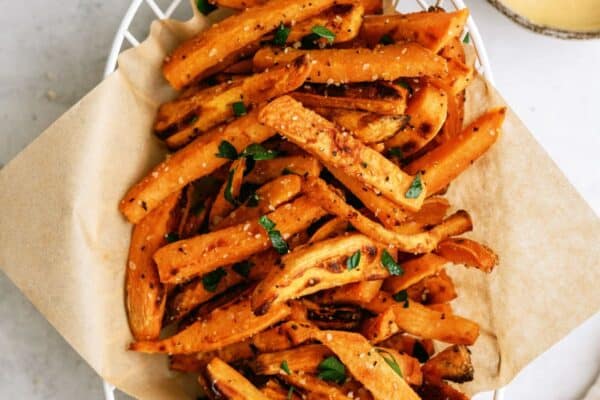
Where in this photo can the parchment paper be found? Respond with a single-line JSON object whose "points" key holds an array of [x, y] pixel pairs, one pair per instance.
{"points": [[64, 244]]}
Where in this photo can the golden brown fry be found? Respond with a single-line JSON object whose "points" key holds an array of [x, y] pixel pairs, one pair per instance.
{"points": [[270, 196], [456, 224], [410, 366], [424, 322], [468, 252], [183, 260], [436, 289], [453, 363], [343, 20], [197, 362], [444, 163], [273, 339], [340, 150], [359, 65], [211, 333], [427, 111], [353, 293], [301, 165], [144, 294], [370, 6], [415, 270], [275, 391], [328, 316], [230, 383], [454, 50], [432, 30], [331, 228], [212, 45], [180, 121], [304, 358], [420, 349], [378, 97], [319, 266], [190, 163], [314, 388], [380, 327], [245, 67], [459, 76], [431, 213], [367, 127], [226, 200]]}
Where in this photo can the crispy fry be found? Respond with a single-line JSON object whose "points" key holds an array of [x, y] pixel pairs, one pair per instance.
{"points": [[360, 65], [456, 224], [415, 270], [370, 6], [304, 358], [343, 20], [302, 165], [380, 327], [432, 30], [338, 317], [444, 163], [211, 333], [320, 266], [179, 121], [144, 294], [420, 349], [439, 390], [315, 388], [427, 111], [459, 76], [468, 252], [436, 289], [270, 196], [190, 163], [212, 45], [273, 339], [431, 213], [183, 260], [340, 150], [379, 97], [226, 200], [453, 363], [331, 228], [230, 383], [245, 66], [410, 366], [353, 293], [419, 320], [368, 127], [454, 50], [275, 391], [194, 211], [197, 362]]}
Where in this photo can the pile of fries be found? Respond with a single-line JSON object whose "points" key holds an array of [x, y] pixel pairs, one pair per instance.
{"points": [[294, 244]]}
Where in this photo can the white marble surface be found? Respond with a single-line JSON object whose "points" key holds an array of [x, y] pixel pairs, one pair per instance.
{"points": [[53, 52]]}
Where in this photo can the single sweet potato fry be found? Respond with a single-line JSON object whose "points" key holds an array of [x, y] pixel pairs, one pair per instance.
{"points": [[468, 252], [267, 170], [230, 383], [453, 363], [343, 20], [415, 270], [380, 327], [304, 358], [353, 293]]}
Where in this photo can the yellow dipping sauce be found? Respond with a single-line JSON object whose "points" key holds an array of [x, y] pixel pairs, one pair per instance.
{"points": [[571, 15]]}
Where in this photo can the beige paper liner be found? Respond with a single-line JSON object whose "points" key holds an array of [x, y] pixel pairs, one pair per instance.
{"points": [[64, 243]]}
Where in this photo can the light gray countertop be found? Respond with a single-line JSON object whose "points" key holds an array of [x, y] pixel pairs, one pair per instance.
{"points": [[53, 52]]}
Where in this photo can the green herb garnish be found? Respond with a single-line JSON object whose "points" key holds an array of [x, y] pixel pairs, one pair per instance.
{"points": [[331, 369], [396, 152], [211, 280], [391, 361], [290, 393], [386, 39], [253, 200], [243, 268], [281, 34], [467, 38], [172, 237], [205, 7], [416, 187], [285, 367], [353, 260], [388, 262], [276, 239], [239, 108], [227, 193], [227, 150], [323, 32], [401, 296], [258, 152]]}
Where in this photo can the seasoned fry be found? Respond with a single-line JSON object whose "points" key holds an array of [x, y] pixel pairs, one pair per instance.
{"points": [[275, 391], [353, 293], [301, 165], [446, 162], [370, 6], [317, 267], [190, 163], [340, 150], [468, 252], [410, 366], [212, 45], [368, 127], [360, 65], [380, 327], [195, 209], [403, 343], [459, 76], [180, 121], [436, 289], [211, 333], [231, 384], [304, 358], [453, 363], [270, 196], [415, 270], [456, 224], [197, 362], [226, 200], [331, 228], [427, 111], [432, 30], [343, 20], [183, 260], [315, 388], [144, 294], [338, 317]]}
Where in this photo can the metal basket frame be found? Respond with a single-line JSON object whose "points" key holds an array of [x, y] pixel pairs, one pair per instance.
{"points": [[124, 36]]}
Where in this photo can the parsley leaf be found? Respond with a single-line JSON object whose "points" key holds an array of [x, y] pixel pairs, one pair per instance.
{"points": [[285, 367], [391, 361], [243, 268], [467, 38], [353, 261], [171, 237], [211, 280], [227, 150], [205, 7], [323, 32], [281, 35], [239, 108], [258, 152], [415, 189], [227, 193], [386, 39], [401, 296], [331, 369], [277, 240], [388, 262], [397, 153], [266, 223]]}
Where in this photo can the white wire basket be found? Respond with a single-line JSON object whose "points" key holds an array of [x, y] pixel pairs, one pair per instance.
{"points": [[137, 14]]}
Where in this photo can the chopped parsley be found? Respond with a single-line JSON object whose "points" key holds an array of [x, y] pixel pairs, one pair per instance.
{"points": [[331, 369], [172, 237], [239, 108], [277, 240], [285, 367], [227, 193], [258, 152], [467, 38], [388, 262], [401, 296], [323, 32], [391, 361], [205, 7], [243, 268], [353, 260], [281, 34], [386, 39], [396, 152], [211, 280], [227, 150], [415, 189]]}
